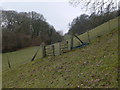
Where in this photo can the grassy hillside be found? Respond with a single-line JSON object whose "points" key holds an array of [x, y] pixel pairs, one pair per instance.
{"points": [[91, 66], [24, 56], [19, 57], [98, 31]]}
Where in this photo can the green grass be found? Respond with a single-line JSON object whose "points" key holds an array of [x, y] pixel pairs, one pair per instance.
{"points": [[19, 57], [92, 66], [98, 31], [23, 56]]}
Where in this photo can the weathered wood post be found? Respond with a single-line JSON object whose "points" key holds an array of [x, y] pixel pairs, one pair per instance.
{"points": [[88, 36], [71, 45], [58, 48], [33, 58], [53, 48], [67, 45], [9, 64], [43, 51]]}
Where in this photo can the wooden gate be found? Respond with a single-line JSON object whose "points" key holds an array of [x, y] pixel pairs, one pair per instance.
{"points": [[63, 47], [50, 51]]}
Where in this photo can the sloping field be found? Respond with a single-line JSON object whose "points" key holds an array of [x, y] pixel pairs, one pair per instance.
{"points": [[19, 57], [23, 56], [98, 31], [92, 66]]}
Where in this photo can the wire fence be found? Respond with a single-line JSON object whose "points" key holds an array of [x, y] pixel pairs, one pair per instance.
{"points": [[65, 46], [61, 47]]}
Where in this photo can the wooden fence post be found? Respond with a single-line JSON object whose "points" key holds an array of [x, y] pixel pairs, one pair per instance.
{"points": [[71, 45], [9, 62], [43, 51], [59, 49], [33, 58], [67, 45], [88, 36], [53, 47]]}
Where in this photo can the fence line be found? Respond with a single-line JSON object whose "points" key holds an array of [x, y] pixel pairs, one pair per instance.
{"points": [[50, 49], [88, 36]]}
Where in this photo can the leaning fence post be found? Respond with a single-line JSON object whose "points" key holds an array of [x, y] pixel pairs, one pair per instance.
{"points": [[35, 54], [43, 51], [9, 62]]}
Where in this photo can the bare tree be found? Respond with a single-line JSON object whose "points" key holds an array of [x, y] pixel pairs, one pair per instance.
{"points": [[97, 6]]}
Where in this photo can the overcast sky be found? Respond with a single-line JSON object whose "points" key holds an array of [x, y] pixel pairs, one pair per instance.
{"points": [[58, 13]]}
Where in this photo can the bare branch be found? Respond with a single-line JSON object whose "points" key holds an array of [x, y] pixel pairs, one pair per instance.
{"points": [[95, 5]]}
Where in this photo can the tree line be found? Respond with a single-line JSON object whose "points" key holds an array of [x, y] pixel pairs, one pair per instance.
{"points": [[85, 22], [100, 11], [25, 29]]}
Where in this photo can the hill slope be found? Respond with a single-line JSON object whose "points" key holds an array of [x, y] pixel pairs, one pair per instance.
{"points": [[25, 55], [19, 57], [91, 66]]}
